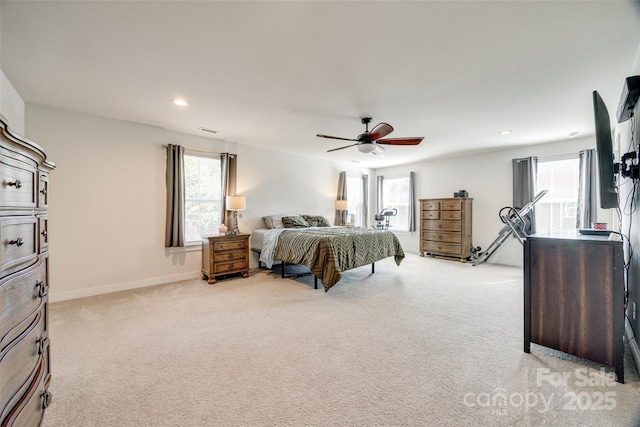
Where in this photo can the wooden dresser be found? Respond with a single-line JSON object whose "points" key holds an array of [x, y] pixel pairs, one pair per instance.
{"points": [[24, 280], [445, 227], [222, 255], [574, 296]]}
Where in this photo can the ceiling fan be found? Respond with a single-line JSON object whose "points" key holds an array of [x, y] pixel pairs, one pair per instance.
{"points": [[371, 141]]}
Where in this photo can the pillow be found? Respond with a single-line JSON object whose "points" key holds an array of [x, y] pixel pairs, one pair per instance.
{"points": [[273, 221], [316, 220], [294, 221]]}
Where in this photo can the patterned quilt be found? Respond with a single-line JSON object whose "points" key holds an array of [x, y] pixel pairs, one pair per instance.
{"points": [[330, 251]]}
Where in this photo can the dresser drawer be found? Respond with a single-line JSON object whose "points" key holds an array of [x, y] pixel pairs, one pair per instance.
{"points": [[17, 243], [451, 205], [441, 248], [452, 215], [43, 190], [431, 214], [430, 205], [27, 408], [229, 245], [442, 225], [20, 359], [43, 233], [21, 296], [442, 237], [224, 267], [229, 256], [18, 183]]}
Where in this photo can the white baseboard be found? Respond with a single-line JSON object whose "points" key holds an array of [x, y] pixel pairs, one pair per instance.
{"points": [[117, 287], [633, 343]]}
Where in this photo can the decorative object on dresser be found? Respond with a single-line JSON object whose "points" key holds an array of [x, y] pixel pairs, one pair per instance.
{"points": [[24, 280], [445, 227], [223, 255]]}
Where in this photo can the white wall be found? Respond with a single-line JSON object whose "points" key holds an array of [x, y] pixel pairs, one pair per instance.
{"points": [[11, 105], [487, 178], [107, 206]]}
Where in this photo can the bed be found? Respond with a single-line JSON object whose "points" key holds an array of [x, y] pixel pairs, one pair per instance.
{"points": [[326, 251]]}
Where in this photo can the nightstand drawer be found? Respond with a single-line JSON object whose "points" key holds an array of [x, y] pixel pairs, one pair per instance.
{"points": [[228, 256], [229, 245], [224, 267]]}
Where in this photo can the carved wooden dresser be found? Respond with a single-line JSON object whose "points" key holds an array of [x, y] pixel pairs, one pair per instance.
{"points": [[24, 280], [445, 227]]}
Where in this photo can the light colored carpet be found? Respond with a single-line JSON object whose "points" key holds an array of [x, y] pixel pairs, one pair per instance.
{"points": [[432, 342]]}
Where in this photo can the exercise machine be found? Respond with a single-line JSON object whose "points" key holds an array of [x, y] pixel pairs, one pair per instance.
{"points": [[515, 225]]}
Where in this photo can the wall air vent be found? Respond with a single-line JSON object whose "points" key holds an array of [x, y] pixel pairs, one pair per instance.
{"points": [[208, 130]]}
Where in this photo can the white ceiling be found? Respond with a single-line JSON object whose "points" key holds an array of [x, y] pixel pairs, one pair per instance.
{"points": [[274, 74]]}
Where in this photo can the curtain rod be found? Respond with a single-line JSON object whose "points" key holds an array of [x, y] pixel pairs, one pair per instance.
{"points": [[199, 151]]}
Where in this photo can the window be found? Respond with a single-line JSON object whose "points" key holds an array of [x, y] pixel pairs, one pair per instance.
{"points": [[558, 208], [395, 195], [355, 199], [203, 196]]}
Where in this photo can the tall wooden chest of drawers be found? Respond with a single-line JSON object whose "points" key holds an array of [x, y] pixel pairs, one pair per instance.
{"points": [[445, 227], [222, 255], [24, 280]]}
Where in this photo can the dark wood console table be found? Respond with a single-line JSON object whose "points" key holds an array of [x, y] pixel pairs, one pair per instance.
{"points": [[574, 296]]}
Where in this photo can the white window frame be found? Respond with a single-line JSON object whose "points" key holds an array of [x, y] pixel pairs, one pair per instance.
{"points": [[212, 156], [548, 198], [398, 222]]}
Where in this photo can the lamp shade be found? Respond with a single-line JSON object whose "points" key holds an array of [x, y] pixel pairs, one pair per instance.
{"points": [[341, 205], [236, 203], [367, 148]]}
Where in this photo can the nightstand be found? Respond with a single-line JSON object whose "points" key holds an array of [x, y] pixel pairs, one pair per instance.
{"points": [[222, 255]]}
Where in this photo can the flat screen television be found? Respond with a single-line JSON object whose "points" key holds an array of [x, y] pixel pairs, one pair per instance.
{"points": [[604, 150]]}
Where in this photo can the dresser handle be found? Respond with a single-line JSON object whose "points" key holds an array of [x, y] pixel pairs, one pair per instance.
{"points": [[17, 242], [41, 289], [41, 342], [15, 183], [43, 191], [46, 398], [43, 233]]}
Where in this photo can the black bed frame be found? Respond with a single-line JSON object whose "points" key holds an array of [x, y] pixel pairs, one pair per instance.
{"points": [[284, 264]]}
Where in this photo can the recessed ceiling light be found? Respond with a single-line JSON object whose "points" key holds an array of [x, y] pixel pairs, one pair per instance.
{"points": [[574, 134], [504, 132], [180, 102]]}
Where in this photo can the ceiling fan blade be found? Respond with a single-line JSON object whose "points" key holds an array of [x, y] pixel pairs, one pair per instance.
{"points": [[401, 141], [336, 137], [340, 148], [380, 131]]}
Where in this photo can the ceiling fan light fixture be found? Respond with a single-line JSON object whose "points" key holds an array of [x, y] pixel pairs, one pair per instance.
{"points": [[367, 147]]}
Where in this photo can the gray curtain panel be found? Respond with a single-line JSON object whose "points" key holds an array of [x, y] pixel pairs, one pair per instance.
{"points": [[380, 193], [365, 201], [587, 208], [341, 216], [228, 166], [174, 229], [412, 201], [524, 187]]}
